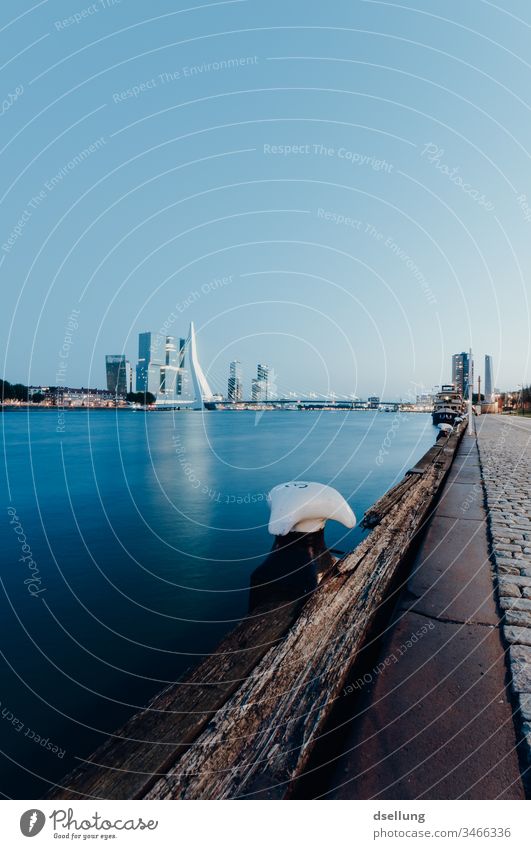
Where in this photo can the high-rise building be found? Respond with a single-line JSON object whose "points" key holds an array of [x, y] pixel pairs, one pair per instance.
{"points": [[489, 391], [235, 383], [117, 374], [462, 372], [161, 368], [148, 370], [261, 386], [169, 371], [181, 363]]}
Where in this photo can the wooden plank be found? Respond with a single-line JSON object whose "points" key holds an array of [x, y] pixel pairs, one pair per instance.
{"points": [[128, 763], [261, 741], [374, 515]]}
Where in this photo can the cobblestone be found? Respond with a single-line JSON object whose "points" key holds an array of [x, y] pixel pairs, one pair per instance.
{"points": [[515, 634], [514, 549], [520, 668], [526, 733], [509, 590], [508, 570], [505, 453], [519, 580], [518, 617], [524, 703], [515, 603]]}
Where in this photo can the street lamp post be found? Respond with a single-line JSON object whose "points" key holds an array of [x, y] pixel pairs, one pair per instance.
{"points": [[470, 388]]}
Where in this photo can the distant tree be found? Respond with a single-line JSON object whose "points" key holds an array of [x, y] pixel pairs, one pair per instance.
{"points": [[140, 398], [37, 397], [20, 392], [6, 390], [9, 391]]}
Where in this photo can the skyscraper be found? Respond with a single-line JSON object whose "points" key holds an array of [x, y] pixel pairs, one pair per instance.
{"points": [[116, 371], [181, 363], [148, 374], [235, 383], [489, 393], [462, 372], [170, 370], [261, 385]]}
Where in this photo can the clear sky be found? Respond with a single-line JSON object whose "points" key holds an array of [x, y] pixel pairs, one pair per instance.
{"points": [[341, 190]]}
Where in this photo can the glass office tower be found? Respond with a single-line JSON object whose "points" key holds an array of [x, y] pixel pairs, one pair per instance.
{"points": [[150, 360], [235, 383], [116, 372]]}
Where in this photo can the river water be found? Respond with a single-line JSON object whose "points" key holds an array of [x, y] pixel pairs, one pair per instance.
{"points": [[145, 529]]}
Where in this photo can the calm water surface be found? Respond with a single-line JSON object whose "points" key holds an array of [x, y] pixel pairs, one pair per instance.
{"points": [[145, 529]]}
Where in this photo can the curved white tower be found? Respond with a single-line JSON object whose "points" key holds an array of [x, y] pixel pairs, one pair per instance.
{"points": [[202, 390]]}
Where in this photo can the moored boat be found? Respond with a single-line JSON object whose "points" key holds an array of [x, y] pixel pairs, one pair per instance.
{"points": [[448, 406]]}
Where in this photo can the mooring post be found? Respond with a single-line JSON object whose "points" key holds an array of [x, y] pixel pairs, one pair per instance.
{"points": [[299, 512]]}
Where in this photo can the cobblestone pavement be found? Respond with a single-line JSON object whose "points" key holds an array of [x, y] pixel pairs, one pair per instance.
{"points": [[505, 452]]}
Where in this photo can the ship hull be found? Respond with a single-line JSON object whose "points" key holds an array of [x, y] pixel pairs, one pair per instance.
{"points": [[444, 416]]}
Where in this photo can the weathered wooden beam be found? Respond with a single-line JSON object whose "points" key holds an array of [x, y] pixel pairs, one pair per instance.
{"points": [[259, 744], [127, 764], [374, 515]]}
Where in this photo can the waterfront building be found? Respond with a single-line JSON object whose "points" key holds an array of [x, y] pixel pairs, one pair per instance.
{"points": [[72, 396], [262, 386], [117, 374], [373, 402], [462, 372], [489, 394], [425, 401], [235, 382], [262, 372], [181, 364], [171, 371], [148, 370]]}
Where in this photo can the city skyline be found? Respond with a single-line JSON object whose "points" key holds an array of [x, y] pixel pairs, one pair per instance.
{"points": [[302, 223], [161, 370]]}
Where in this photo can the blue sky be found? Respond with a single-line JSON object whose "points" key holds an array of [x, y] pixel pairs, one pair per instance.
{"points": [[340, 190]]}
